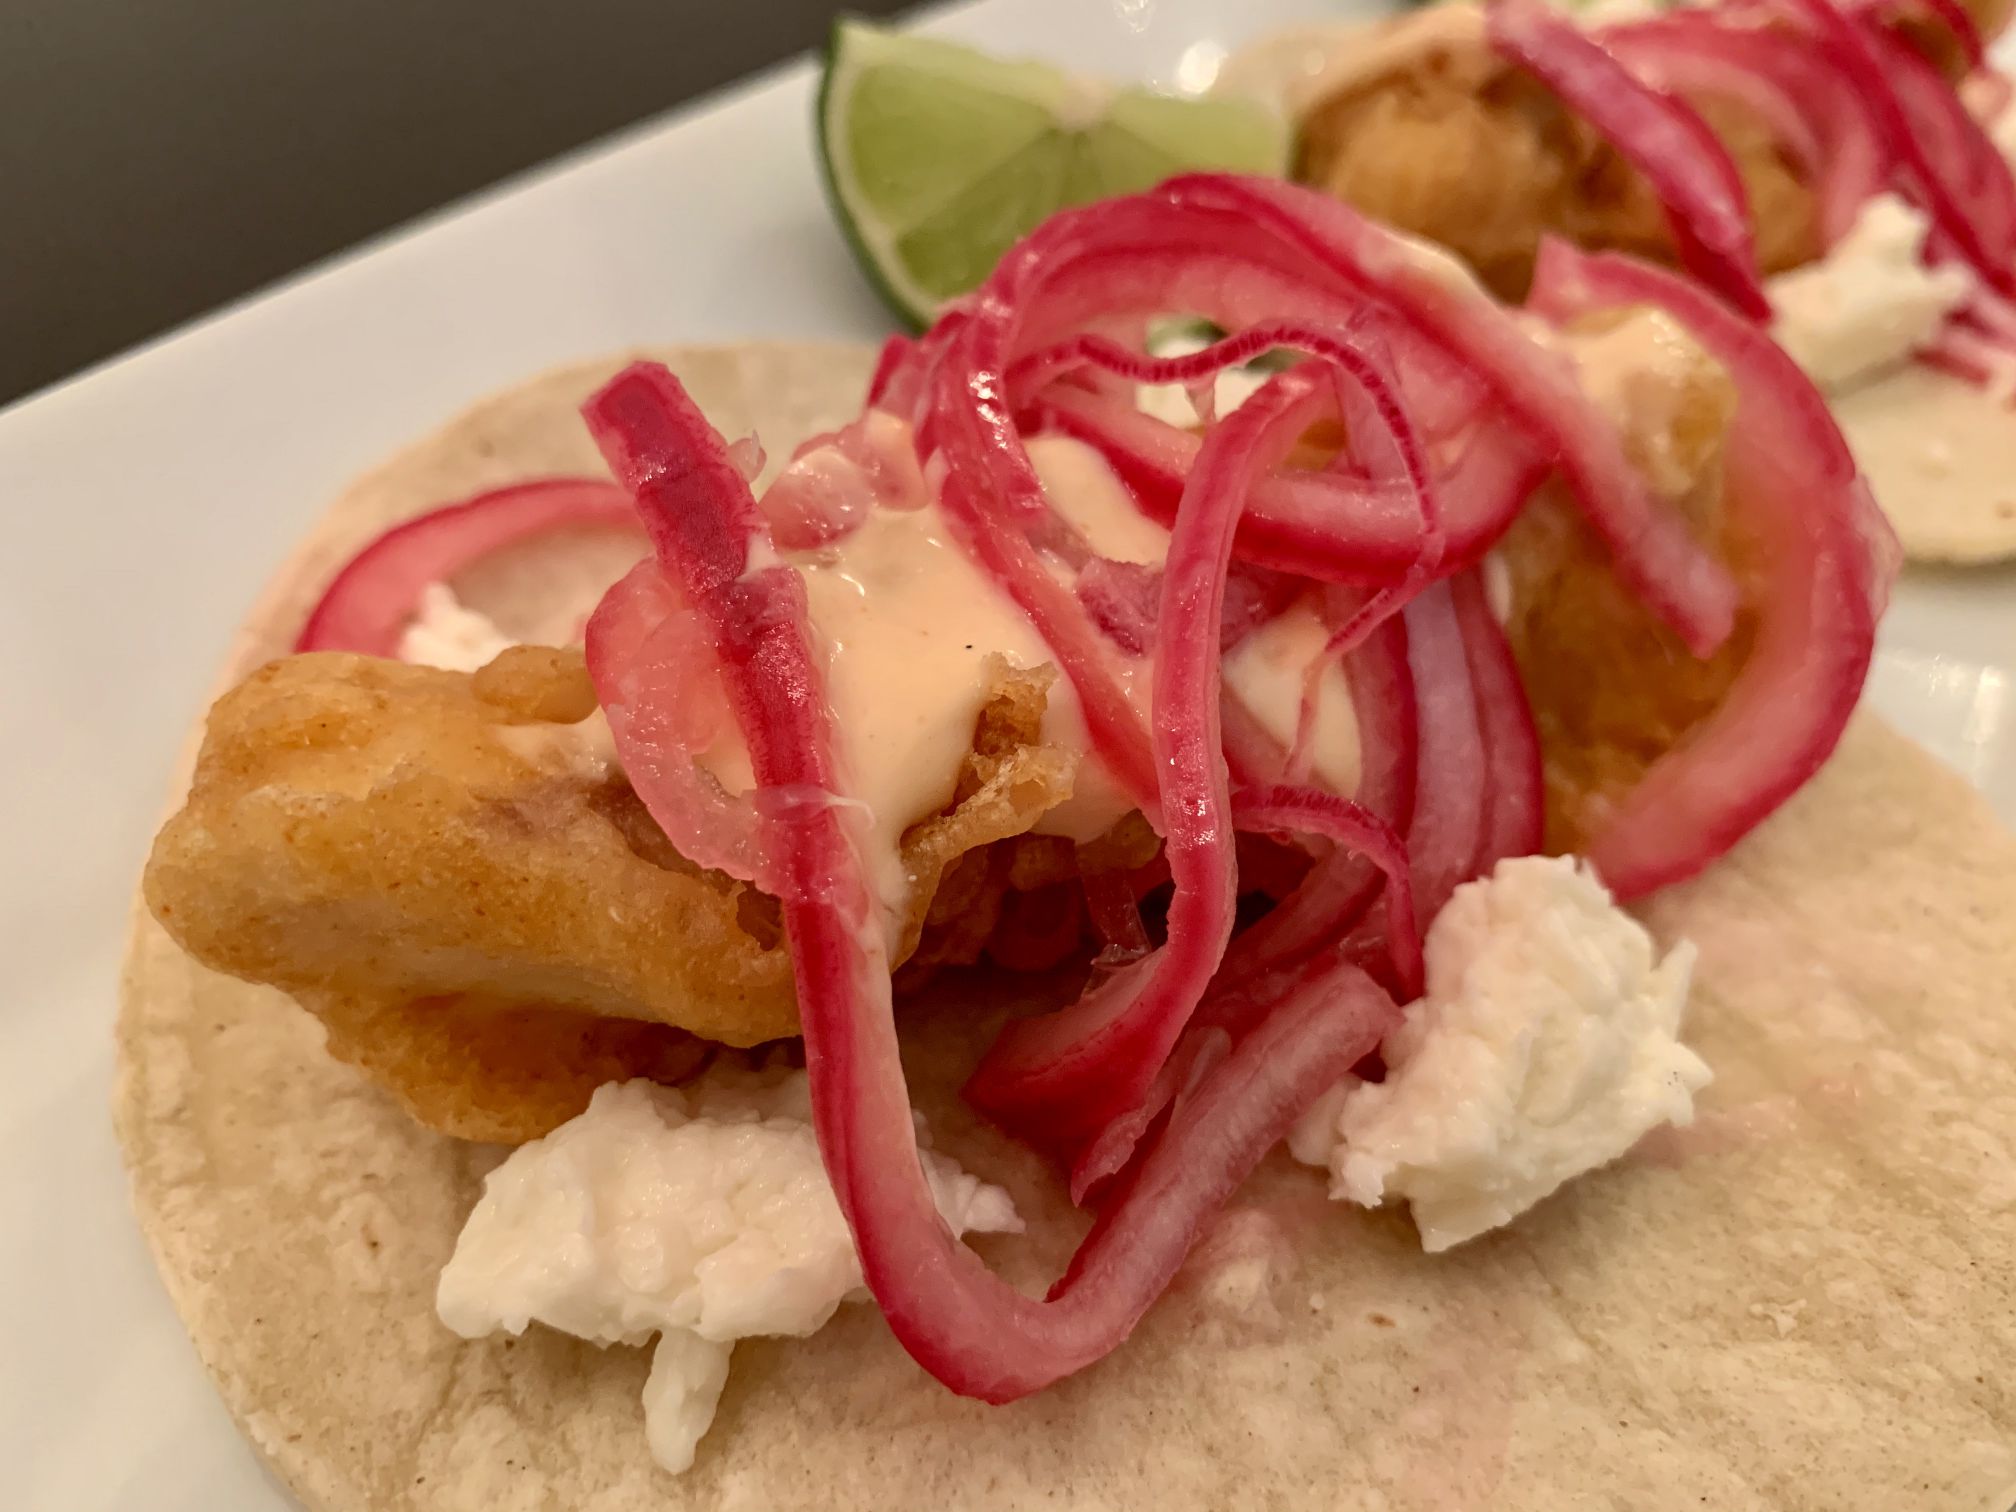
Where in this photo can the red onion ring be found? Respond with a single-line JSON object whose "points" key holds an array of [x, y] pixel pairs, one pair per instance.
{"points": [[1064, 1076], [368, 605], [1652, 551], [1873, 64], [1514, 802], [1827, 555], [977, 1334], [1661, 136]]}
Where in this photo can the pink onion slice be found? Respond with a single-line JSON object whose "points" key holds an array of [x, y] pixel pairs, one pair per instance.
{"points": [[978, 1335], [1351, 829], [1654, 555], [1818, 116], [369, 604], [1514, 804], [1340, 886], [1873, 63], [1060, 1078], [1324, 525], [656, 676], [1451, 782], [1957, 20], [1957, 146], [1661, 136], [833, 481], [1826, 556], [969, 439]]}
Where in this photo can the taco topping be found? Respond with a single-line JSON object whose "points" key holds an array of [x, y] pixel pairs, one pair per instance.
{"points": [[1871, 303], [1070, 1080], [701, 1216], [1545, 1046]]}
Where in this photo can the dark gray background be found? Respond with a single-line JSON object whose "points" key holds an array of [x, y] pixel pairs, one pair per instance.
{"points": [[160, 157]]}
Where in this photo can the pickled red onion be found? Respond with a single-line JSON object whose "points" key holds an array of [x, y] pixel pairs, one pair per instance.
{"points": [[1184, 1063], [368, 605], [1664, 138], [1325, 525], [1885, 75], [1650, 548], [1062, 1077], [1827, 557], [980, 1336], [656, 675]]}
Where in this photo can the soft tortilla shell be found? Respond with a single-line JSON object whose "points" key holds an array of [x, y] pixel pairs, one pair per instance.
{"points": [[1806, 1302], [1938, 453]]}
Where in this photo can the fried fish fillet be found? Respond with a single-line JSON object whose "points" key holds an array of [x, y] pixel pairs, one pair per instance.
{"points": [[1453, 143], [452, 873]]}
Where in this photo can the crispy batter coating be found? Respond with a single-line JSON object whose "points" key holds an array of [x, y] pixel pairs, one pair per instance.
{"points": [[450, 871], [1610, 686], [1456, 145]]}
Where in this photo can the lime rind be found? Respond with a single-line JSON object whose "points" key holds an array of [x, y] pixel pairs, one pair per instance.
{"points": [[937, 158]]}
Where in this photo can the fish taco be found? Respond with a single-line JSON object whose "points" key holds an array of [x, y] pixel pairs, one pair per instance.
{"points": [[1020, 918]]}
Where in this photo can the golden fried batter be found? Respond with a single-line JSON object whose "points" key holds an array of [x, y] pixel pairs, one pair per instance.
{"points": [[450, 872], [1610, 686], [1451, 142]]}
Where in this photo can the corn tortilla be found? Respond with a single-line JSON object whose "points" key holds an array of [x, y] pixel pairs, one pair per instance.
{"points": [[1807, 1301]]}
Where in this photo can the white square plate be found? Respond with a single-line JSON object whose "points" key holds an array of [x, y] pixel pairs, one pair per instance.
{"points": [[146, 501]]}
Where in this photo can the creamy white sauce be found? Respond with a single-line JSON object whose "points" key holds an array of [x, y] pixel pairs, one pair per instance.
{"points": [[1267, 672], [1083, 489], [1641, 372], [909, 623], [447, 634], [585, 749], [1087, 493]]}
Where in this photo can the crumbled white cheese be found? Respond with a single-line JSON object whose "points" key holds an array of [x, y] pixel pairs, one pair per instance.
{"points": [[701, 1214], [449, 635], [1546, 1046], [1171, 402], [1868, 304]]}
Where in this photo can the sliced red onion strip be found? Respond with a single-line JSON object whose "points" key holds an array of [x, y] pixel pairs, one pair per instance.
{"points": [[1514, 807], [1653, 553], [1062, 1077], [1338, 889], [657, 678], [1325, 525], [369, 604], [835, 480], [1661, 136], [1870, 62], [1957, 145], [1453, 778], [1816, 112], [959, 437], [978, 1335], [1828, 557], [1351, 827], [1951, 14]]}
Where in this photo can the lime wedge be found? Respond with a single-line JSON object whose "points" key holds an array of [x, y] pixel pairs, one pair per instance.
{"points": [[938, 158]]}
